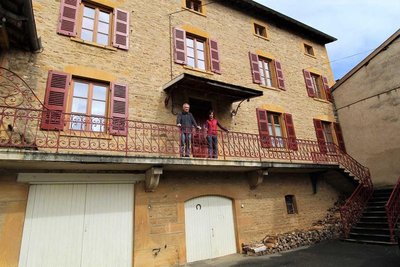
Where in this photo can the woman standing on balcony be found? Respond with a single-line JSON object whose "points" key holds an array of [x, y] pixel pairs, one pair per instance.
{"points": [[212, 134]]}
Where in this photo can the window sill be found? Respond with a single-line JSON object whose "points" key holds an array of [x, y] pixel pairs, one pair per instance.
{"points": [[321, 100], [198, 70], [78, 40], [270, 88], [309, 55], [86, 134], [193, 11], [262, 37]]}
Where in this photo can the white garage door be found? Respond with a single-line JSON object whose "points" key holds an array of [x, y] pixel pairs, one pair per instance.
{"points": [[209, 228], [78, 225]]}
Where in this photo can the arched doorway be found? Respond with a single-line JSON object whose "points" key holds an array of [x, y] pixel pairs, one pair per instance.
{"points": [[209, 228]]}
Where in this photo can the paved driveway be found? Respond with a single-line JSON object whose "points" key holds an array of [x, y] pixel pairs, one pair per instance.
{"points": [[327, 254]]}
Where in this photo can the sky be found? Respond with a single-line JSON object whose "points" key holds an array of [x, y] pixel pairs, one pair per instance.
{"points": [[359, 25]]}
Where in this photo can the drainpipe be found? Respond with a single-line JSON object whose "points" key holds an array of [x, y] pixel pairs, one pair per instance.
{"points": [[34, 41]]}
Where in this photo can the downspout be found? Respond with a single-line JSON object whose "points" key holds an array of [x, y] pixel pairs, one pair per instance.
{"points": [[34, 41]]}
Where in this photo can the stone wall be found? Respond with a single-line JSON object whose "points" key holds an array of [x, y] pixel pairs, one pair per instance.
{"points": [[160, 219]]}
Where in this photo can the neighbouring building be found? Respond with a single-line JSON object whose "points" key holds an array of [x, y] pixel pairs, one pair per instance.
{"points": [[367, 101], [91, 173]]}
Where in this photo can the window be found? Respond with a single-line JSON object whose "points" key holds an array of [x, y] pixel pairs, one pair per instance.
{"points": [[329, 134], [196, 52], [260, 30], [266, 71], [309, 50], [194, 5], [94, 24], [317, 86], [88, 106], [276, 130], [265, 66], [93, 106], [291, 204]]}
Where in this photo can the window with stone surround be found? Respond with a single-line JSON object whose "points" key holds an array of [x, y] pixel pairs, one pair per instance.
{"points": [[291, 206], [308, 49], [196, 52], [79, 104], [266, 71], [260, 30], [329, 135], [92, 23], [195, 5], [317, 86], [276, 130]]}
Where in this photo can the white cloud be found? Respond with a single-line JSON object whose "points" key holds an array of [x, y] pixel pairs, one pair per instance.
{"points": [[359, 25]]}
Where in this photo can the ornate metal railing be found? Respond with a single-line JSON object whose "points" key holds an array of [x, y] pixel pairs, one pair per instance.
{"points": [[21, 113], [393, 210]]}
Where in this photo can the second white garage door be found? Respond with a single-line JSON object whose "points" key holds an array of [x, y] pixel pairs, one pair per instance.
{"points": [[78, 225], [209, 228]]}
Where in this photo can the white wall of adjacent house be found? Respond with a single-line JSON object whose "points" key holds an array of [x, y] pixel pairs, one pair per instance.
{"points": [[78, 225], [209, 227]]}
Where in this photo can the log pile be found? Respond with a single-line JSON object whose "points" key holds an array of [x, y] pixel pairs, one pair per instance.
{"points": [[326, 229]]}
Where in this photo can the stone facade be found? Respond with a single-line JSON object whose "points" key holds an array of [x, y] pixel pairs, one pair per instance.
{"points": [[159, 216], [146, 67]]}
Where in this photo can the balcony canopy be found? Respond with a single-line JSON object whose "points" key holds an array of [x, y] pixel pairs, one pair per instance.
{"points": [[210, 88]]}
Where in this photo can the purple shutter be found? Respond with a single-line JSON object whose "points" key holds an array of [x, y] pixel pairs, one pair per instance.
{"points": [[67, 17], [179, 46], [55, 101], [119, 109], [262, 119], [319, 131], [327, 89], [121, 29], [214, 56], [291, 135], [279, 75], [255, 70], [339, 136], [309, 86]]}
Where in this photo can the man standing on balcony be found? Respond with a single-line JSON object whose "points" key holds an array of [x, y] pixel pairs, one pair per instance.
{"points": [[186, 121]]}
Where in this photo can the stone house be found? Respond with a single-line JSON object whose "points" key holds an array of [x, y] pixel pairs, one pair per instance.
{"points": [[91, 173], [367, 100]]}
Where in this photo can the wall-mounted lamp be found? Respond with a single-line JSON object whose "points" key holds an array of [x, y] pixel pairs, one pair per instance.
{"points": [[235, 111]]}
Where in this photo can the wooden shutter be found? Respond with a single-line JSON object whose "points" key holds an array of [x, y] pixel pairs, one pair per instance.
{"points": [[214, 57], [327, 89], [67, 17], [119, 109], [279, 75], [339, 136], [262, 119], [291, 135], [121, 29], [309, 86], [255, 70], [319, 131], [55, 100], [179, 46]]}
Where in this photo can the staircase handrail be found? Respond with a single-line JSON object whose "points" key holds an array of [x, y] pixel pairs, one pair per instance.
{"points": [[352, 210], [392, 208]]}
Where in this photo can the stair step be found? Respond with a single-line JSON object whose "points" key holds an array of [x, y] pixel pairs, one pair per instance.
{"points": [[370, 230], [379, 225], [374, 208], [372, 213], [373, 219], [372, 237], [369, 242]]}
